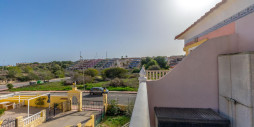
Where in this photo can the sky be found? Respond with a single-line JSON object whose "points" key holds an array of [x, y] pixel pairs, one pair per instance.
{"points": [[57, 30]]}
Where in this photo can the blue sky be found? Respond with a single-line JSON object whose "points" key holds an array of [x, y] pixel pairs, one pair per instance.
{"points": [[48, 30]]}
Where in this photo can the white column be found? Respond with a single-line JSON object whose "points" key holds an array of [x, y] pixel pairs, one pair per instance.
{"points": [[142, 75]]}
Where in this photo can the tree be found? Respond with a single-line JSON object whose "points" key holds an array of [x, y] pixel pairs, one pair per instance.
{"points": [[145, 60], [45, 75], [14, 72], [91, 72], [161, 61], [114, 73], [154, 67], [59, 74], [55, 68], [151, 63], [9, 86], [28, 69]]}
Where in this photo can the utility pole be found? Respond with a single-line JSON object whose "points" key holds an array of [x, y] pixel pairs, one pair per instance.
{"points": [[81, 59]]}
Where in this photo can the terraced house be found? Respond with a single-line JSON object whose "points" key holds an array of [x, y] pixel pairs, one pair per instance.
{"points": [[213, 84]]}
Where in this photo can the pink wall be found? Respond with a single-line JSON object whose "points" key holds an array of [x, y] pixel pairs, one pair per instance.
{"points": [[245, 31], [225, 30], [194, 81]]}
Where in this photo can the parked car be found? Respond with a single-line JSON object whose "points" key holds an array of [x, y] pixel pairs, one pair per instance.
{"points": [[32, 82], [98, 90]]}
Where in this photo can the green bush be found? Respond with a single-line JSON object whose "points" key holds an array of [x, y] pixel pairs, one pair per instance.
{"points": [[150, 63], [135, 70], [9, 86], [2, 111], [91, 72], [113, 109], [114, 73], [68, 82], [40, 101], [154, 67], [116, 83]]}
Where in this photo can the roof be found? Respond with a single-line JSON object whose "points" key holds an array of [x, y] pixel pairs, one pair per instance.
{"points": [[201, 18], [200, 115]]}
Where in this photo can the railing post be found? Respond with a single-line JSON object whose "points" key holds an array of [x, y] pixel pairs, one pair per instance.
{"points": [[19, 121], [140, 114], [142, 75]]}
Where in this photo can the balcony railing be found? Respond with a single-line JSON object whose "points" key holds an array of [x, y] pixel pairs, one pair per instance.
{"points": [[140, 114], [32, 118], [155, 74]]}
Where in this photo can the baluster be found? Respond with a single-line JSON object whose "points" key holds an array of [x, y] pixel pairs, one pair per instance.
{"points": [[150, 75]]}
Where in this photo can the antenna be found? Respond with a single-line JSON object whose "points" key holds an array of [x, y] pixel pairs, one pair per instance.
{"points": [[106, 55], [81, 58]]}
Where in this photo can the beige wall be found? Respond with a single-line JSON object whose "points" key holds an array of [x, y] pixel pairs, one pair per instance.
{"points": [[193, 82]]}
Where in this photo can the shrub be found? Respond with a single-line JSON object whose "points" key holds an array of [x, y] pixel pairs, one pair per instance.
{"points": [[40, 101], [116, 83], [2, 111], [135, 75], [113, 109], [98, 78], [114, 73], [59, 74], [9, 86], [154, 67], [150, 63], [68, 82], [91, 72], [135, 70], [129, 108]]}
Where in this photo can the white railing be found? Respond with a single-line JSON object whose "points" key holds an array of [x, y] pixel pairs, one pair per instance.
{"points": [[32, 118], [7, 95], [155, 74], [126, 125], [140, 114]]}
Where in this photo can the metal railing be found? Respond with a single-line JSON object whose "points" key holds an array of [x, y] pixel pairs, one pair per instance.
{"points": [[155, 74], [32, 118], [92, 105]]}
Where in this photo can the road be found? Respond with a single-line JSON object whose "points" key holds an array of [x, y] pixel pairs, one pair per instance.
{"points": [[123, 98], [21, 84]]}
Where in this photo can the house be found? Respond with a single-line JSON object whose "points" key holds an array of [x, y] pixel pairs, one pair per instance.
{"points": [[216, 73]]}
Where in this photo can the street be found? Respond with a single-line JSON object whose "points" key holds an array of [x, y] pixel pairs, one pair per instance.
{"points": [[123, 98]]}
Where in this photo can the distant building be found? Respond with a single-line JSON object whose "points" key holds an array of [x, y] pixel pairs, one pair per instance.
{"points": [[174, 60]]}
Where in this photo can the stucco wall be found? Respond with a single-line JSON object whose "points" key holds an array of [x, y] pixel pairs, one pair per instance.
{"points": [[227, 9], [194, 81], [245, 30]]}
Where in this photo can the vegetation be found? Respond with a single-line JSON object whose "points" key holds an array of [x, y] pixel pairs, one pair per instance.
{"points": [[2, 111], [36, 71], [40, 101], [112, 73], [160, 61], [131, 85], [9, 86], [117, 115], [114, 121], [91, 72], [154, 67]]}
